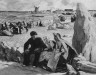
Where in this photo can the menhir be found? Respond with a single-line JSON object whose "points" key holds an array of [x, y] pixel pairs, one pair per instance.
{"points": [[84, 37]]}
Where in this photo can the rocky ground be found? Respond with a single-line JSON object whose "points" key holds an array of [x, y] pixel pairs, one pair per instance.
{"points": [[10, 68], [42, 31]]}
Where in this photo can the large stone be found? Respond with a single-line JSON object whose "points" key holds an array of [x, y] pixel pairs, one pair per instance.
{"points": [[84, 37]]}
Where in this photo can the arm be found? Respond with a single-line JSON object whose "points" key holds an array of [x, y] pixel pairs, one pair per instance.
{"points": [[40, 44], [26, 45]]}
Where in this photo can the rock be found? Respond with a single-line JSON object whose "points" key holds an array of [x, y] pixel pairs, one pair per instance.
{"points": [[45, 55], [19, 48], [71, 70], [5, 33], [85, 73], [86, 66], [60, 26], [84, 37], [52, 27], [53, 61], [80, 63]]}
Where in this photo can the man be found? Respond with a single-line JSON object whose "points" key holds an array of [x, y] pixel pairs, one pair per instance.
{"points": [[36, 46], [40, 24], [19, 24]]}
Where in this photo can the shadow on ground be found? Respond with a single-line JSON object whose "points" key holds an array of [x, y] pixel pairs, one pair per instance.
{"points": [[11, 68]]}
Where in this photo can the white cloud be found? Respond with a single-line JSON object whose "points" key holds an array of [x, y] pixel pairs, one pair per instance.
{"points": [[3, 5], [90, 4], [44, 4]]}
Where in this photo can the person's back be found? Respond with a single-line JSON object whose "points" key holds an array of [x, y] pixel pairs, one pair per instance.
{"points": [[39, 43], [31, 43]]}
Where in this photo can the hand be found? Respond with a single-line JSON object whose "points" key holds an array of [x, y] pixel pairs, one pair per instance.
{"points": [[26, 51], [45, 49], [37, 49]]}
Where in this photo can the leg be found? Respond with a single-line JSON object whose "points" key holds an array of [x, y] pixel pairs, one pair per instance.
{"points": [[32, 57], [36, 61], [26, 59]]}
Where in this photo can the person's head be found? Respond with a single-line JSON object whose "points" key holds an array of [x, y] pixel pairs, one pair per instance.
{"points": [[57, 36], [33, 34]]}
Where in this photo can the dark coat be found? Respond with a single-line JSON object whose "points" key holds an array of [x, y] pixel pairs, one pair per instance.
{"points": [[35, 43]]}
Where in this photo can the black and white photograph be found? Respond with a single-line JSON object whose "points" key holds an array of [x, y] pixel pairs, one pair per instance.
{"points": [[47, 37]]}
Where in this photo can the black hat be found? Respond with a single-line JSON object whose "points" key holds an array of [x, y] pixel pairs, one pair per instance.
{"points": [[32, 33]]}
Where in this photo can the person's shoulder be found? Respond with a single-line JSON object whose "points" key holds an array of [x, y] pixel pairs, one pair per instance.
{"points": [[38, 38], [30, 39]]}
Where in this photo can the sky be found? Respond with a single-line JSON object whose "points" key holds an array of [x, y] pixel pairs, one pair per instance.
{"points": [[28, 5]]}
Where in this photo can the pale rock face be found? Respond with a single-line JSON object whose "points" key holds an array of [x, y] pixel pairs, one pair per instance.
{"points": [[84, 38], [20, 49]]}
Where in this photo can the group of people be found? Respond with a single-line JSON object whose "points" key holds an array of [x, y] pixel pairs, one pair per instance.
{"points": [[51, 55], [18, 27], [14, 27], [35, 48]]}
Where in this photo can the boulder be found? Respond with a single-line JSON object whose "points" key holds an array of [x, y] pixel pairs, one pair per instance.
{"points": [[52, 27], [5, 33], [84, 37], [71, 70], [79, 63]]}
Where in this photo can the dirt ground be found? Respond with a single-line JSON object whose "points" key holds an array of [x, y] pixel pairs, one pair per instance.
{"points": [[12, 68], [16, 69], [42, 31]]}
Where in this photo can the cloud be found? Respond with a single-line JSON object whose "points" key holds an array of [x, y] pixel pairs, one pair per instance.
{"points": [[89, 4], [3, 5], [24, 5], [65, 2]]}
